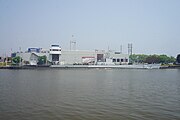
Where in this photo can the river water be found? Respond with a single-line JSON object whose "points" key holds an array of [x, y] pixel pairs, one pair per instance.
{"points": [[90, 94]]}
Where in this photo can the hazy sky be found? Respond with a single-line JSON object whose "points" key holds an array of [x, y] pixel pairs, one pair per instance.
{"points": [[152, 26]]}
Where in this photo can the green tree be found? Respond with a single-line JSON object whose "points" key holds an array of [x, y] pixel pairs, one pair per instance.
{"points": [[139, 58], [133, 58], [142, 58], [152, 59], [172, 59], [42, 60], [163, 58], [16, 60]]}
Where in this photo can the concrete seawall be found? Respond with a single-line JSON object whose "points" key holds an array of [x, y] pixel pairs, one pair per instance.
{"points": [[140, 66]]}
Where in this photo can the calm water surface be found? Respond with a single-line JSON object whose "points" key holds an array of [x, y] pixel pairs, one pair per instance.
{"points": [[90, 94]]}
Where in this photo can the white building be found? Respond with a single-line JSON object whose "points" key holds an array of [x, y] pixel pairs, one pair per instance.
{"points": [[54, 54], [73, 57]]}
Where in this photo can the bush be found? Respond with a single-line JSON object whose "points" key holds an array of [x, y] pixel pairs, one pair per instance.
{"points": [[16, 60], [42, 60]]}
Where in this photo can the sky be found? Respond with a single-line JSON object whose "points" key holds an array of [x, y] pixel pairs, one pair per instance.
{"points": [[152, 26]]}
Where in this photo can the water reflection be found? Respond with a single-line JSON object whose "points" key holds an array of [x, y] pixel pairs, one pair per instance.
{"points": [[90, 94]]}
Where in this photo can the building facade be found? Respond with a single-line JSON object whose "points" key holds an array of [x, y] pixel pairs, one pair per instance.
{"points": [[56, 56]]}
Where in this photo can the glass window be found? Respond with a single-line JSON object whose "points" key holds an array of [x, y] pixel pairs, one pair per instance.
{"points": [[114, 60], [118, 60], [54, 45]]}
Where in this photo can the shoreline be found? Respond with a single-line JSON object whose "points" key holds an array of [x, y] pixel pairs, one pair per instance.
{"points": [[138, 66], [141, 66]]}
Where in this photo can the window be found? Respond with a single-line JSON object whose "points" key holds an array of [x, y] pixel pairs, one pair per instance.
{"points": [[55, 49], [114, 60], [54, 45], [122, 60], [118, 60], [55, 57], [100, 57]]}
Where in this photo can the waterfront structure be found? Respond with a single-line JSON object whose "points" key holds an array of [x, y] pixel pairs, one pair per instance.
{"points": [[57, 56], [54, 54]]}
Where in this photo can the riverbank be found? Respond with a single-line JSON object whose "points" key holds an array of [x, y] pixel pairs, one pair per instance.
{"points": [[135, 66], [170, 67], [25, 67], [138, 66]]}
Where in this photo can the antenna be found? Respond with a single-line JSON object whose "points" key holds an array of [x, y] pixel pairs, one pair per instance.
{"points": [[70, 45], [120, 49]]}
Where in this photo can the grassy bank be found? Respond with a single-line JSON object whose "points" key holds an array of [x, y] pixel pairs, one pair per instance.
{"points": [[2, 64]]}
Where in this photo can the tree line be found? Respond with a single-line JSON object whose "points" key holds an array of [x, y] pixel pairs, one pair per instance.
{"points": [[150, 59]]}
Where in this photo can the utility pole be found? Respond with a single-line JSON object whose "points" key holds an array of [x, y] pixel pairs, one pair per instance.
{"points": [[129, 48], [73, 42]]}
